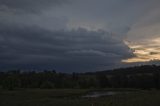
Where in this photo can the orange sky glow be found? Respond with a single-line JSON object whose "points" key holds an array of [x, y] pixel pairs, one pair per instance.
{"points": [[144, 51]]}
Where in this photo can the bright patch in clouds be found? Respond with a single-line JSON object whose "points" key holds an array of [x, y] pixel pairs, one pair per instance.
{"points": [[144, 51]]}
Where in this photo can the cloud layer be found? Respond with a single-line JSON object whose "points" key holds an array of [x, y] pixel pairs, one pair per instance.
{"points": [[76, 35], [28, 5], [75, 50]]}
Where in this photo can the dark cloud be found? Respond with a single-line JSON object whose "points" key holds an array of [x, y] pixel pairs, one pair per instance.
{"points": [[74, 50], [28, 5], [46, 34]]}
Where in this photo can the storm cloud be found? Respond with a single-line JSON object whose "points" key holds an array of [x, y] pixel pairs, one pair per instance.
{"points": [[71, 50], [76, 35]]}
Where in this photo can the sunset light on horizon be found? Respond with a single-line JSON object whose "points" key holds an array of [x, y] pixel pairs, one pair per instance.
{"points": [[144, 51]]}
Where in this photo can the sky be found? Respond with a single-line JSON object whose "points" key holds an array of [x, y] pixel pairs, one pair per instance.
{"points": [[78, 35]]}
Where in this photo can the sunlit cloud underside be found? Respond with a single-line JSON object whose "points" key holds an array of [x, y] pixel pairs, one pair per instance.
{"points": [[144, 51]]}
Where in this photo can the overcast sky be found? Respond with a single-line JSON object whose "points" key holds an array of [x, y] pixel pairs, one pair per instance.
{"points": [[78, 35]]}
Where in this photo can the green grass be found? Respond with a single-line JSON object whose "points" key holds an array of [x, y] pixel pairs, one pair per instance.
{"points": [[72, 97]]}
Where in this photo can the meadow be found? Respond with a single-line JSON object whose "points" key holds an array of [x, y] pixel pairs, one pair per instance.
{"points": [[74, 97]]}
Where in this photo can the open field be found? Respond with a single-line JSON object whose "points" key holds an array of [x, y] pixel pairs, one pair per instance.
{"points": [[70, 97]]}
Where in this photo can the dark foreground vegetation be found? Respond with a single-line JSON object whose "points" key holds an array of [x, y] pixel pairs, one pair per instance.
{"points": [[144, 77], [73, 97], [49, 88]]}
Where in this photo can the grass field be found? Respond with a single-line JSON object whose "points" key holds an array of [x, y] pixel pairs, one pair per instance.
{"points": [[70, 97]]}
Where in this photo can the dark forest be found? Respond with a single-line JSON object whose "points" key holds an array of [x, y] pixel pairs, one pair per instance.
{"points": [[143, 77]]}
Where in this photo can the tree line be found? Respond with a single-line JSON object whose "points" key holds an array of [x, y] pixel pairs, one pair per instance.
{"points": [[144, 77]]}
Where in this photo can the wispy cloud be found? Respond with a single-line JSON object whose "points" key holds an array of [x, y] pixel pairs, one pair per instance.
{"points": [[144, 51]]}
